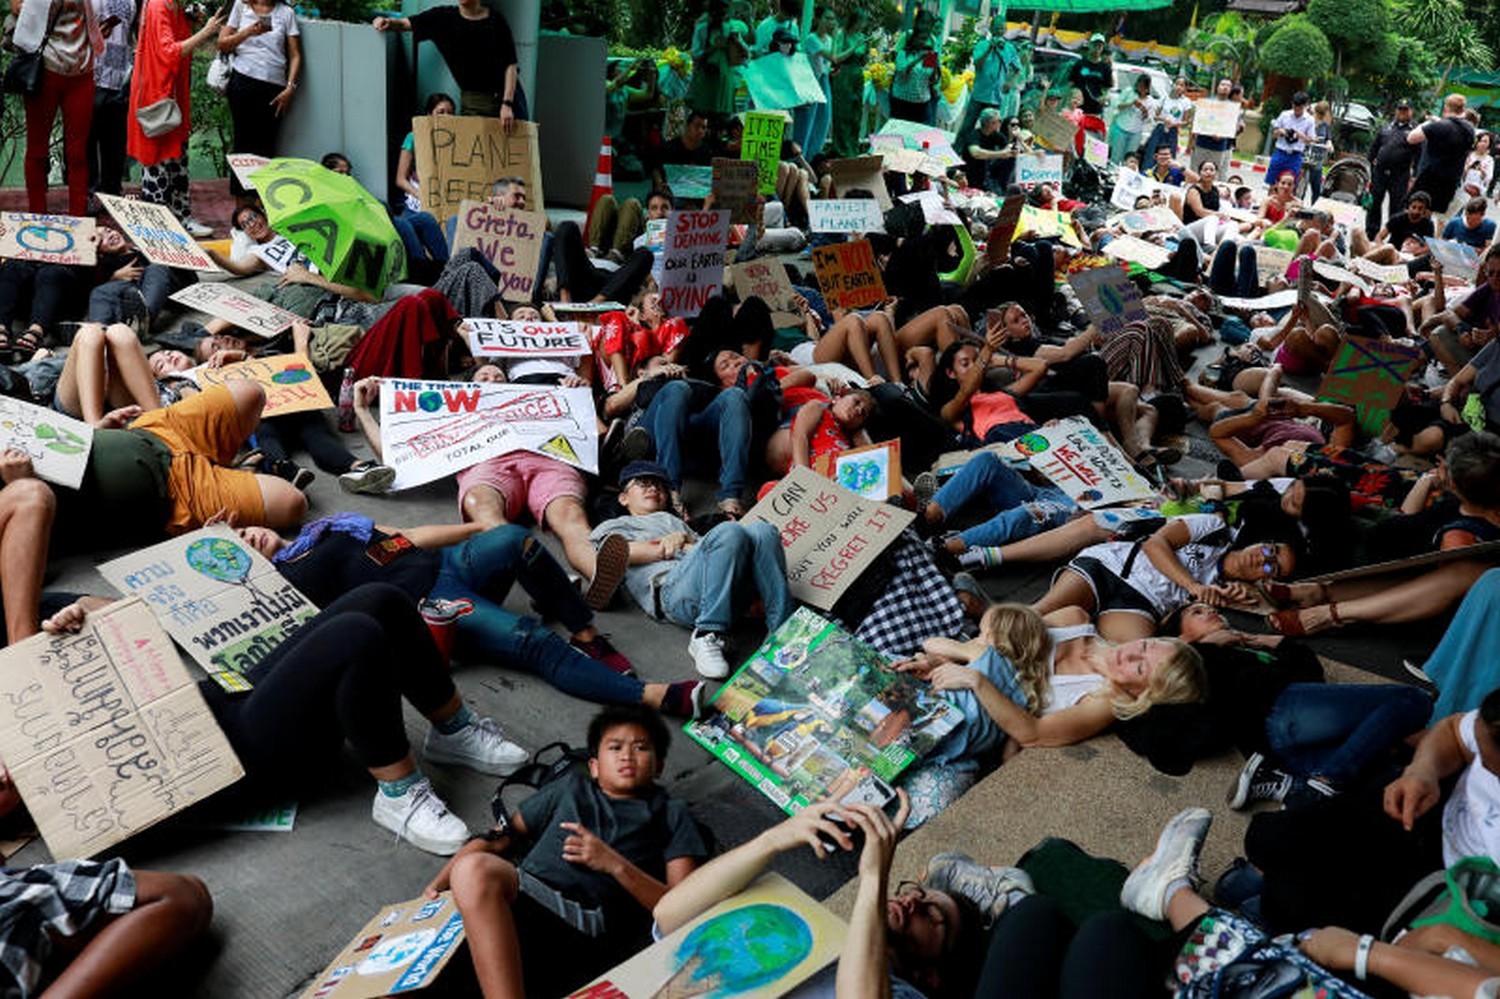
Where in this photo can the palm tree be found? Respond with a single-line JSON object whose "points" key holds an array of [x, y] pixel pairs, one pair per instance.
{"points": [[1229, 40], [1444, 26]]}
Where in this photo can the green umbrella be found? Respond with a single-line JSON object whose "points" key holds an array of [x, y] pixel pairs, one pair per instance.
{"points": [[341, 227]]}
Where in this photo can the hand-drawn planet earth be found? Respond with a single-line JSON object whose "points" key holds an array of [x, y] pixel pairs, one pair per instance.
{"points": [[291, 375], [1029, 444], [218, 558], [747, 948]]}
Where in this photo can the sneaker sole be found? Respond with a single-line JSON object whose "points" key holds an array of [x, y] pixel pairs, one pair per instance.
{"points": [[1416, 671], [304, 478], [432, 755], [923, 489], [1239, 794], [609, 571], [373, 482], [1145, 872], [439, 848]]}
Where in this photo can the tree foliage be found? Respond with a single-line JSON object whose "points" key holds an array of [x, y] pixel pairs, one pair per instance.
{"points": [[1297, 48], [1351, 23]]}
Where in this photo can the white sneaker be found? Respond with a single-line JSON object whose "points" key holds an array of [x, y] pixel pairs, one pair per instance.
{"points": [[1175, 859], [374, 480], [707, 650], [420, 817], [480, 746], [196, 229]]}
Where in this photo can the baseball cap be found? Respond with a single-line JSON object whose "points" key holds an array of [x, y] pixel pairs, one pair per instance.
{"points": [[1095, 37], [1403, 105], [643, 470]]}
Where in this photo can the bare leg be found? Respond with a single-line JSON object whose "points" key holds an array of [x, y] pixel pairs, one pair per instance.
{"points": [[1185, 908], [846, 339], [933, 328], [170, 910], [484, 888], [564, 517], [779, 452], [285, 504], [131, 381], [26, 510], [1068, 590], [1122, 626], [1123, 403], [484, 505], [884, 331], [1377, 601], [84, 381], [1058, 543]]}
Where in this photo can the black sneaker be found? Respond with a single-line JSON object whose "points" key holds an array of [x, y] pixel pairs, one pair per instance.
{"points": [[1259, 781]]}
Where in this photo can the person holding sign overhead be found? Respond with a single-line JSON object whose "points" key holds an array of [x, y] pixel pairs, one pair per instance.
{"points": [[476, 43]]}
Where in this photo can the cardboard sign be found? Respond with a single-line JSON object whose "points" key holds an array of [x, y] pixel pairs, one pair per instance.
{"points": [[1039, 168], [47, 239], [736, 186], [1004, 230], [402, 948], [1276, 300], [515, 340], [1083, 464], [829, 534], [845, 215], [848, 276], [235, 305], [1271, 262], [511, 240], [1095, 151], [1138, 251], [766, 280], [817, 714], [689, 182], [1130, 186], [934, 212], [1459, 260], [1395, 274], [1157, 218], [1055, 130], [105, 733], [292, 384], [1218, 119], [692, 261], [930, 141], [779, 81], [156, 232], [58, 444], [1369, 375], [218, 597], [870, 472], [460, 156], [761, 144], [1340, 275], [794, 936], [1343, 212], [429, 430], [245, 164], [1113, 301], [588, 308], [862, 173]]}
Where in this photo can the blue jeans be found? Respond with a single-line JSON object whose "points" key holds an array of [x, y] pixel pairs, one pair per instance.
{"points": [[722, 428], [1335, 730], [707, 586], [482, 570], [1233, 272], [107, 302], [1021, 509], [421, 235]]}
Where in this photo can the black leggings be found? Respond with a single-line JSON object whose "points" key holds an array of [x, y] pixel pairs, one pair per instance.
{"points": [[50, 291], [309, 430], [584, 281], [341, 677], [1035, 952], [256, 124]]}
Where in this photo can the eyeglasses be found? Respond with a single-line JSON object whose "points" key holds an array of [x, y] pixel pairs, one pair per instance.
{"points": [[1270, 565]]}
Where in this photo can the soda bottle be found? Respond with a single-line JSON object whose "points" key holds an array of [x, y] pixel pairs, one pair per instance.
{"points": [[346, 402]]}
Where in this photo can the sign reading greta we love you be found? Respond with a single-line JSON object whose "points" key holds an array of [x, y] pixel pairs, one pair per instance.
{"points": [[48, 239], [511, 240], [222, 602], [157, 234], [459, 157], [104, 732], [508, 339]]}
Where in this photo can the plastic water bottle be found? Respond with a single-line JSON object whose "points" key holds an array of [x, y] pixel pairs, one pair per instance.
{"points": [[346, 402]]}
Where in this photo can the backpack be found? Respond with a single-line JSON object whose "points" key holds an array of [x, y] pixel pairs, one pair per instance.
{"points": [[552, 762]]}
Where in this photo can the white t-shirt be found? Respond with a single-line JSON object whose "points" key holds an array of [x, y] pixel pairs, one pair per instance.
{"points": [[1471, 819], [263, 57], [1207, 542], [1174, 110]]}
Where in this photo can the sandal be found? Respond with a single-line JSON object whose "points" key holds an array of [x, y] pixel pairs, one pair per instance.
{"points": [[1281, 595], [1289, 622], [28, 343]]}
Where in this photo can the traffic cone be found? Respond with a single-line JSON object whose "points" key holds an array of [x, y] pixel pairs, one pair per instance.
{"points": [[604, 182]]}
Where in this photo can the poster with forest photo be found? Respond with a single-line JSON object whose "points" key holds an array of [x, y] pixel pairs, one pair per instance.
{"points": [[816, 714]]}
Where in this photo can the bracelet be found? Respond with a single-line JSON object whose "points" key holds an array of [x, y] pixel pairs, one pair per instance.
{"points": [[1362, 956], [508, 102], [292, 84]]}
